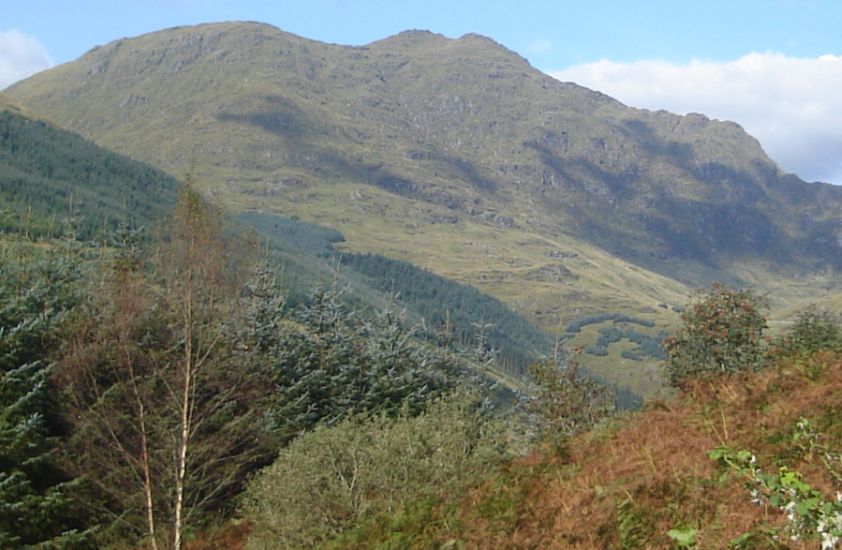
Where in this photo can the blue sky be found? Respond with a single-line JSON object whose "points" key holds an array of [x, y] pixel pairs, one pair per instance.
{"points": [[551, 34], [729, 59]]}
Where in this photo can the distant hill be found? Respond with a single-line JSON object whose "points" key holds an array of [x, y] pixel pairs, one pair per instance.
{"points": [[458, 156], [50, 177], [464, 124]]}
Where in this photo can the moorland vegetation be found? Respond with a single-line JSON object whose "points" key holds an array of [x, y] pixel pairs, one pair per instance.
{"points": [[162, 393]]}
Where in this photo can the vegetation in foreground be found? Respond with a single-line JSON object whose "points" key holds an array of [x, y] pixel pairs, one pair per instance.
{"points": [[138, 394], [179, 399], [180, 402], [746, 457]]}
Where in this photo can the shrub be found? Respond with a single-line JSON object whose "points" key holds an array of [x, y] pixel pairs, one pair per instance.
{"points": [[330, 478], [814, 330], [567, 401], [722, 331]]}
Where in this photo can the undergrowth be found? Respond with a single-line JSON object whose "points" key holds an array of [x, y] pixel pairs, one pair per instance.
{"points": [[647, 481]]}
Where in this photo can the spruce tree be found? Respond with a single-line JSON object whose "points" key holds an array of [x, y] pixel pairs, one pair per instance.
{"points": [[35, 505]]}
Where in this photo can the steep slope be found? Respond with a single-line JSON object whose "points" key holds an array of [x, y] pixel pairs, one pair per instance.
{"points": [[50, 177], [461, 123], [458, 156]]}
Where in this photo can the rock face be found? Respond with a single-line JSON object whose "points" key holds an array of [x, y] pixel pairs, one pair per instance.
{"points": [[463, 125]]}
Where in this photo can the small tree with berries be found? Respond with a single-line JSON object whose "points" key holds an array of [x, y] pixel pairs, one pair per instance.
{"points": [[722, 331]]}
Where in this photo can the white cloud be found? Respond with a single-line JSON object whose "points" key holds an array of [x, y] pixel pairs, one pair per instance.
{"points": [[793, 106], [21, 55]]}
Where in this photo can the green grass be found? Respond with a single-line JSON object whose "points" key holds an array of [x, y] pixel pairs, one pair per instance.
{"points": [[565, 202], [644, 377]]}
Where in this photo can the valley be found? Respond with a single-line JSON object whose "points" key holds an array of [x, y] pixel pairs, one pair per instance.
{"points": [[457, 156], [262, 291]]}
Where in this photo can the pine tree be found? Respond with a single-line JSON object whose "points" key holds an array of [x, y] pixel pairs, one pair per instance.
{"points": [[35, 502], [325, 362]]}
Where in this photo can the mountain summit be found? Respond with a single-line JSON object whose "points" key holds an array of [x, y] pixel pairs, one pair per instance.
{"points": [[457, 155]]}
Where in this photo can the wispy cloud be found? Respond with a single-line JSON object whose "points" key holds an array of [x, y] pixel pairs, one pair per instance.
{"points": [[540, 46], [792, 105], [21, 55]]}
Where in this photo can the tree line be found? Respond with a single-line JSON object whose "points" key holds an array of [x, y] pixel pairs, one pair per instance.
{"points": [[140, 389], [55, 183]]}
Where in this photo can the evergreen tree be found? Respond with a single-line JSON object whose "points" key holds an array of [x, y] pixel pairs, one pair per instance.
{"points": [[326, 363], [35, 505]]}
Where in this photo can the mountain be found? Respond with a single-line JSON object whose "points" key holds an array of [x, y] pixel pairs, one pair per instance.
{"points": [[53, 181], [458, 156], [50, 177]]}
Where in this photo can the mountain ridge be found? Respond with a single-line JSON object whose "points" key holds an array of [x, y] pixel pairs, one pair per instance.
{"points": [[457, 155]]}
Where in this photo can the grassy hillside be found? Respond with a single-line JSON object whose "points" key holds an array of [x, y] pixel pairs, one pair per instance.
{"points": [[53, 182], [461, 124], [51, 178], [457, 156]]}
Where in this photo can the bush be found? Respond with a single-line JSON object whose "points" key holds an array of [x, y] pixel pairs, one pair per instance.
{"points": [[722, 331], [330, 478], [814, 330], [566, 400]]}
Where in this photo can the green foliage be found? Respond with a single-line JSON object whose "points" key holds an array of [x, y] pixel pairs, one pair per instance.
{"points": [[758, 539], [814, 330], [634, 525], [337, 476], [567, 402], [328, 363], [36, 495], [414, 525], [683, 538], [54, 183], [809, 513], [722, 331]]}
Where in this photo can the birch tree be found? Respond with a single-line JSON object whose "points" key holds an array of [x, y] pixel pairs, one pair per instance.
{"points": [[163, 400]]}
